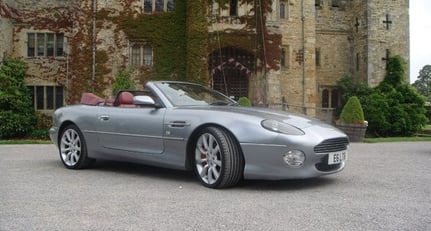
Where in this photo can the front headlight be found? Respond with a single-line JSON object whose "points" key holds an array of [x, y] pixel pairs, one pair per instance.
{"points": [[280, 127], [294, 158]]}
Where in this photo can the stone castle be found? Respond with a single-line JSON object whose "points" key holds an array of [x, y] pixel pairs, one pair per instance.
{"points": [[271, 51]]}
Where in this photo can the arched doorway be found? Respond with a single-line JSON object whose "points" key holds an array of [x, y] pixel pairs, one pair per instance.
{"points": [[231, 70]]}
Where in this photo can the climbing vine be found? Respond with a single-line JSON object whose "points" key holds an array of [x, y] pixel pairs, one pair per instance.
{"points": [[81, 60], [165, 32], [180, 40]]}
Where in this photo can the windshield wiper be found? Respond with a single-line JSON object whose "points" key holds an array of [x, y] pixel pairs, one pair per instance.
{"points": [[221, 103]]}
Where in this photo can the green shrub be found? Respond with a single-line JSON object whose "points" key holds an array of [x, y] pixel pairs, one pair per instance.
{"points": [[123, 81], [408, 113], [376, 109], [44, 121], [393, 108], [244, 101], [350, 87], [40, 134], [352, 112], [17, 116]]}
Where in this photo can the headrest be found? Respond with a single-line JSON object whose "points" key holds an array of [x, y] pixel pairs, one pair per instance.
{"points": [[125, 97]]}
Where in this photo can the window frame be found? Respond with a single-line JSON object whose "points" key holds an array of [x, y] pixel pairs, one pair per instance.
{"points": [[45, 45], [47, 97], [284, 9], [142, 58], [330, 97], [318, 57], [285, 57], [157, 6], [233, 8]]}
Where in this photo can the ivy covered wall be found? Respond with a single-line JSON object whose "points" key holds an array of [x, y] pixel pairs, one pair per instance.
{"points": [[180, 40], [166, 34]]}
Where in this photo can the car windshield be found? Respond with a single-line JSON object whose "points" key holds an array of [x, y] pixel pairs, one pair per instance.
{"points": [[184, 94]]}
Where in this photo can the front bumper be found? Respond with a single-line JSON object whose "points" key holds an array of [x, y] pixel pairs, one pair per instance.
{"points": [[53, 135], [266, 161]]}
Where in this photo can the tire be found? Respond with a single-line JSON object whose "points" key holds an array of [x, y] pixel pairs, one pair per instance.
{"points": [[218, 161], [73, 149]]}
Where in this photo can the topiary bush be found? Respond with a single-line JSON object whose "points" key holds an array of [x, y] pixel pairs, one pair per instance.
{"points": [[352, 120], [352, 112], [17, 115], [244, 101]]}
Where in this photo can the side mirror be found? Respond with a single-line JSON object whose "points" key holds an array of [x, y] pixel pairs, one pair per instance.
{"points": [[144, 100]]}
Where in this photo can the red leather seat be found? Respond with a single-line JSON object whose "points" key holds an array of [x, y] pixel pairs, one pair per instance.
{"points": [[125, 99]]}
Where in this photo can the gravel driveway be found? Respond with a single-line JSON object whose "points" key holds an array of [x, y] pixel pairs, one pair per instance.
{"points": [[385, 186]]}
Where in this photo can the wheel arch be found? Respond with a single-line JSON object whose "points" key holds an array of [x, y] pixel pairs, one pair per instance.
{"points": [[194, 136], [62, 127]]}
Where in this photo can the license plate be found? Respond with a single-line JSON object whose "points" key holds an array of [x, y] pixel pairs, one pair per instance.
{"points": [[337, 157]]}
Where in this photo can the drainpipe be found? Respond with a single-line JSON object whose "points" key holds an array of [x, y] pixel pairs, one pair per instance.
{"points": [[67, 71], [304, 88], [265, 77], [93, 67]]}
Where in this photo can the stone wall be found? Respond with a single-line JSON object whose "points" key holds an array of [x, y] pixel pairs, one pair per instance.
{"points": [[383, 36], [297, 79], [6, 28], [321, 43]]}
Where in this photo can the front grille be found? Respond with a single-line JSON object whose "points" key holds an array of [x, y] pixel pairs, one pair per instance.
{"points": [[332, 145]]}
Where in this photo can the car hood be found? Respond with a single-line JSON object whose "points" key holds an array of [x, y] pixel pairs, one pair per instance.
{"points": [[297, 120]]}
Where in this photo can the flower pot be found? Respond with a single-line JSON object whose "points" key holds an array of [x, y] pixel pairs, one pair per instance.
{"points": [[355, 132]]}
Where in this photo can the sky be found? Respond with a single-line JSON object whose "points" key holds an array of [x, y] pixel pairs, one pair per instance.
{"points": [[420, 36]]}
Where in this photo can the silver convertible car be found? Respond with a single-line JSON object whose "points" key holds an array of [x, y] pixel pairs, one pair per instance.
{"points": [[190, 127]]}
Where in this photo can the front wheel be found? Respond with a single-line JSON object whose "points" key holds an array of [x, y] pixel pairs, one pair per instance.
{"points": [[72, 147], [218, 160]]}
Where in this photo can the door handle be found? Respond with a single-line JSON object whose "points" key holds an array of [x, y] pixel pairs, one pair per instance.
{"points": [[104, 117]]}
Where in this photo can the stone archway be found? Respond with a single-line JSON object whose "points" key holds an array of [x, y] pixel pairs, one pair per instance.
{"points": [[231, 71]]}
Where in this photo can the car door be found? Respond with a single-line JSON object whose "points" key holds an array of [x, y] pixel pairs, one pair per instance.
{"points": [[131, 130]]}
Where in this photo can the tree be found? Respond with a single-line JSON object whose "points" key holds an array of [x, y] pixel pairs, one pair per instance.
{"points": [[17, 116], [403, 109], [423, 83]]}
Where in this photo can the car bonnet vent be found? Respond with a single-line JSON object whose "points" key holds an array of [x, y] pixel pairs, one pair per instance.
{"points": [[332, 145]]}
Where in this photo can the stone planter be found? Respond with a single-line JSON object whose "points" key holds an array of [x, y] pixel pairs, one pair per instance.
{"points": [[355, 132]]}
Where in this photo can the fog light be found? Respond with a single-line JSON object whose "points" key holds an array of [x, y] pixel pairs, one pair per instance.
{"points": [[294, 158]]}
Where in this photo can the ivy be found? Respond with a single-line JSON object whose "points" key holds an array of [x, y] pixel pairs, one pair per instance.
{"points": [[166, 33], [122, 81], [180, 40]]}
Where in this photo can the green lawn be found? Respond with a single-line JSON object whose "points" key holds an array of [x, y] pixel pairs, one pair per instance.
{"points": [[25, 141], [425, 136], [397, 139]]}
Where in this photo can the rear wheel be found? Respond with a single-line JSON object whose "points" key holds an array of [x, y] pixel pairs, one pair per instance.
{"points": [[218, 160], [72, 147]]}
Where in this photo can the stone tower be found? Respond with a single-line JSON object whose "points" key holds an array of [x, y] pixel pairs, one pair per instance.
{"points": [[344, 37]]}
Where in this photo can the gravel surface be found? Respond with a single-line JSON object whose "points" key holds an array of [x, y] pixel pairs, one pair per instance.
{"points": [[385, 186]]}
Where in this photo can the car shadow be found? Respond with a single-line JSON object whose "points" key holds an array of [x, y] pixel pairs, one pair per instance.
{"points": [[287, 185], [189, 177], [143, 170]]}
